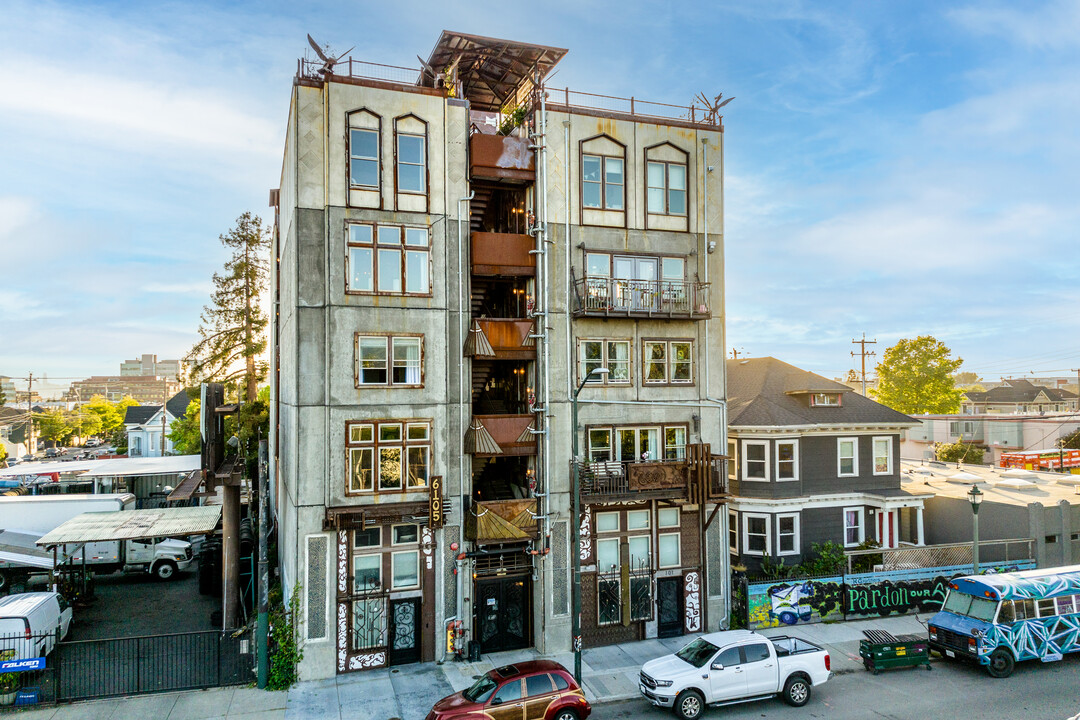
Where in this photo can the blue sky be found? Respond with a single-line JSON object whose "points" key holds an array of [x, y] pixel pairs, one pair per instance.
{"points": [[892, 168]]}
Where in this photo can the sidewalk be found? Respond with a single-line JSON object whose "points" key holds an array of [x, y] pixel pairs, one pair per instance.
{"points": [[408, 692]]}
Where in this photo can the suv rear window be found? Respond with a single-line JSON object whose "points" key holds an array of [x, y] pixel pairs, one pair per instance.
{"points": [[560, 682]]}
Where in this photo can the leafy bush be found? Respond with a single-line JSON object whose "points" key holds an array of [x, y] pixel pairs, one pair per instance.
{"points": [[285, 650], [959, 452]]}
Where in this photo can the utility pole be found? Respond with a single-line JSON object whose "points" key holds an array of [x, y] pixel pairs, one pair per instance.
{"points": [[164, 401], [862, 354], [31, 447]]}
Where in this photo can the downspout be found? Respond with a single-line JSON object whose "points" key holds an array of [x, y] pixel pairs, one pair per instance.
{"points": [[542, 242], [462, 578], [566, 241]]}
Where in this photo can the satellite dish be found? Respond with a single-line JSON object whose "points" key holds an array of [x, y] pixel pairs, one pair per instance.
{"points": [[327, 56]]}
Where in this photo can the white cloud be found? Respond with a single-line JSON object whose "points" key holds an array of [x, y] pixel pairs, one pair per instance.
{"points": [[1054, 25]]}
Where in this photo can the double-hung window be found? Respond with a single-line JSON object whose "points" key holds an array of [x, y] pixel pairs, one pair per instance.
{"points": [[382, 360], [847, 457], [602, 182], [364, 158], [854, 532], [756, 534], [411, 164], [666, 188], [755, 460], [787, 534], [388, 259], [611, 354], [388, 455], [883, 456], [787, 460], [668, 362], [675, 443]]}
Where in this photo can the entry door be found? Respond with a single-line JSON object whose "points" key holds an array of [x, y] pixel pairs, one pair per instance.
{"points": [[669, 607], [404, 641], [503, 613], [636, 282]]}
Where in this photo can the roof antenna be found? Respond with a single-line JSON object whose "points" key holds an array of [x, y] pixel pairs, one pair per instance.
{"points": [[327, 56]]}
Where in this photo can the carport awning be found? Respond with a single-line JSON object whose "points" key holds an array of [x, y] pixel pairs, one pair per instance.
{"points": [[19, 547], [134, 525]]}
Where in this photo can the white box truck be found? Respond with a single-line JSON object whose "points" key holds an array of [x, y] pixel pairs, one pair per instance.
{"points": [[37, 515]]}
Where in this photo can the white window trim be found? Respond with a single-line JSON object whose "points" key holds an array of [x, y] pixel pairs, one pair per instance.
{"points": [[733, 461], [733, 522], [794, 461], [618, 554], [618, 522], [393, 539], [745, 476], [855, 457], [797, 532], [873, 452], [639, 513], [862, 524], [419, 571], [678, 550], [746, 516]]}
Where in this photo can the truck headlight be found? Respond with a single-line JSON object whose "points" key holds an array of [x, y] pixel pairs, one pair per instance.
{"points": [[663, 683], [933, 633]]}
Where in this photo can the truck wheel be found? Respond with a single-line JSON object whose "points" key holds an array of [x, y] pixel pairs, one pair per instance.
{"points": [[165, 570], [1001, 663], [797, 691], [689, 705]]}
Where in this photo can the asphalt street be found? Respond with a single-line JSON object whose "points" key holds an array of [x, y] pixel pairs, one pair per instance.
{"points": [[1034, 692]]}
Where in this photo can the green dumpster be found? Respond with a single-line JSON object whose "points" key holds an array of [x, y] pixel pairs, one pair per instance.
{"points": [[882, 650]]}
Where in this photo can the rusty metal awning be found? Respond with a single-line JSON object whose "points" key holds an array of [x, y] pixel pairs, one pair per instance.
{"points": [[477, 343], [134, 525], [490, 70], [357, 516], [478, 440], [187, 488]]}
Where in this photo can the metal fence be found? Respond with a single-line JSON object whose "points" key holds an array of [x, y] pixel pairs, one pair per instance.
{"points": [[945, 555], [89, 669]]}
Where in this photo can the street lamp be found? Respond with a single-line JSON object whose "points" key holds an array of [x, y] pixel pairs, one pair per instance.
{"points": [[575, 523], [975, 496]]}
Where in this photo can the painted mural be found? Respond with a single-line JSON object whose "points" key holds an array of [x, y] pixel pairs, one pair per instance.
{"points": [[853, 597]]}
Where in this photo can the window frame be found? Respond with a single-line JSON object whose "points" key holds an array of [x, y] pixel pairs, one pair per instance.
{"points": [[612, 449], [376, 443], [794, 442], [403, 248], [860, 513], [618, 521], [605, 361], [767, 519], [394, 587], [854, 457], [398, 162], [678, 518], [668, 361], [389, 340], [888, 458], [603, 183], [666, 188], [746, 477], [796, 534], [377, 159], [733, 531], [660, 564], [814, 402]]}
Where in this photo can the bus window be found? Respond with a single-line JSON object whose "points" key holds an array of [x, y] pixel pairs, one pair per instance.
{"points": [[1007, 613], [1046, 607], [1065, 605], [970, 606], [1024, 609]]}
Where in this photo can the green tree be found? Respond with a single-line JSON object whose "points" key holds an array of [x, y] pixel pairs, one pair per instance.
{"points": [[233, 329], [53, 425], [1070, 441], [915, 377], [959, 452], [964, 379], [109, 414], [184, 431]]}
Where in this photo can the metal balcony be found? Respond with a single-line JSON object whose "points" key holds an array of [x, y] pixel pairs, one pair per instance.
{"points": [[501, 158], [615, 297], [502, 254]]}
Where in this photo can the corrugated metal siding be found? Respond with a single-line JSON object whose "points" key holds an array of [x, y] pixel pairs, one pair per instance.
{"points": [[134, 525]]}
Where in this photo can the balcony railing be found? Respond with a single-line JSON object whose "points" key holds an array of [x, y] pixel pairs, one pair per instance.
{"points": [[603, 296], [499, 521], [506, 254], [668, 478], [502, 158]]}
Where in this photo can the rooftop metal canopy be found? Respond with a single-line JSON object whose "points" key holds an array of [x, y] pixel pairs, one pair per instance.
{"points": [[489, 69], [134, 525]]}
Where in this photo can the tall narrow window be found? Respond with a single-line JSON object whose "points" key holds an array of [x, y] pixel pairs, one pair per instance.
{"points": [[361, 254], [755, 460], [787, 534], [756, 535], [675, 443], [882, 455], [787, 460], [847, 455], [412, 169], [602, 182], [406, 361], [372, 358], [364, 158], [853, 526], [666, 188]]}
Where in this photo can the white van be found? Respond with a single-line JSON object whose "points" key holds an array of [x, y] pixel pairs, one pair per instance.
{"points": [[28, 623]]}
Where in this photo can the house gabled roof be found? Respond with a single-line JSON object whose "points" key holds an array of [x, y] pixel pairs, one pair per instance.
{"points": [[139, 414], [766, 392], [1019, 391], [177, 405]]}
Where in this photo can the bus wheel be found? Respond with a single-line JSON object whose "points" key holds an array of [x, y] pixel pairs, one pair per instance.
{"points": [[1001, 663]]}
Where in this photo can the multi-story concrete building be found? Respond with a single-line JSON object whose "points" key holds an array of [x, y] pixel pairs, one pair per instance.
{"points": [[144, 388], [149, 364], [461, 252]]}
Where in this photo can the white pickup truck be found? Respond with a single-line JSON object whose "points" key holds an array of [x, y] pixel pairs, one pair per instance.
{"points": [[735, 666]]}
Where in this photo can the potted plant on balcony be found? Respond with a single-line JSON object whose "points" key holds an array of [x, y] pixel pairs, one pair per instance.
{"points": [[511, 120]]}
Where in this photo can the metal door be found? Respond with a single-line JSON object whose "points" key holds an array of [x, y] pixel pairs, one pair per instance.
{"points": [[636, 282], [404, 640], [503, 611], [669, 607]]}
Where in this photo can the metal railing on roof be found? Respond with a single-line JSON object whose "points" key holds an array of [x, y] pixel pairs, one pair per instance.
{"points": [[348, 67]]}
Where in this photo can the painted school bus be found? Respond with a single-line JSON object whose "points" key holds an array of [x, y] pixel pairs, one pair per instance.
{"points": [[999, 620]]}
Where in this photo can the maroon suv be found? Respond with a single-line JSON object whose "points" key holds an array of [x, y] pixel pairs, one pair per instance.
{"points": [[539, 689]]}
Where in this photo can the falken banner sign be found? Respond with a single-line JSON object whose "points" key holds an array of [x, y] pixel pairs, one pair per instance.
{"points": [[22, 665]]}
